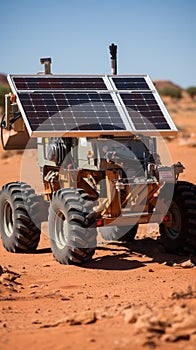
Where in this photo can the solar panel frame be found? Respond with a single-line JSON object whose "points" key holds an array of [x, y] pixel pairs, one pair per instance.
{"points": [[108, 86]]}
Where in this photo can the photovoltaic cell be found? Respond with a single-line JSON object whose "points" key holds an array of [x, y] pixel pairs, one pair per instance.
{"points": [[59, 83], [71, 111]]}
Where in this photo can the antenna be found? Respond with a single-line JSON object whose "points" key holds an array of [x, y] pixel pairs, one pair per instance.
{"points": [[113, 53]]}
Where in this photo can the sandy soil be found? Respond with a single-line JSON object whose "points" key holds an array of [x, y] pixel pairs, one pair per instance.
{"points": [[130, 296]]}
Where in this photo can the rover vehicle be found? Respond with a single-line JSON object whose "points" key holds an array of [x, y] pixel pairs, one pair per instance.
{"points": [[99, 140]]}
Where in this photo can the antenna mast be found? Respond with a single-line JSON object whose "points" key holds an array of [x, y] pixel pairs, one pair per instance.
{"points": [[113, 53]]}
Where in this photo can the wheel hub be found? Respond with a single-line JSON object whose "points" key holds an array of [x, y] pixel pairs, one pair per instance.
{"points": [[174, 228], [8, 219], [60, 229]]}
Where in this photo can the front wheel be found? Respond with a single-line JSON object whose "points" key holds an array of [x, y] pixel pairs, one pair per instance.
{"points": [[181, 235], [72, 226], [19, 217]]}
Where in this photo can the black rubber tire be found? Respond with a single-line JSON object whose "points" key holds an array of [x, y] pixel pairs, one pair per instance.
{"points": [[72, 226], [119, 233], [19, 223], [181, 237]]}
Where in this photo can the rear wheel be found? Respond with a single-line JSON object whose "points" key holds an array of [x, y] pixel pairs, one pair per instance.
{"points": [[72, 226], [19, 211], [119, 233], [181, 235]]}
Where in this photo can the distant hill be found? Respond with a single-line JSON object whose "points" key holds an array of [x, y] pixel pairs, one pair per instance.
{"points": [[160, 84], [3, 79]]}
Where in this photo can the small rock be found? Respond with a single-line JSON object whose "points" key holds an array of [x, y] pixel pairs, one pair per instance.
{"points": [[150, 270], [8, 277], [85, 317], [150, 344], [1, 270], [33, 285], [36, 322], [130, 316], [4, 280], [187, 264], [92, 340]]}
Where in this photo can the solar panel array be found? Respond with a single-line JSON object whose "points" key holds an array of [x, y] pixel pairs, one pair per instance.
{"points": [[92, 105]]}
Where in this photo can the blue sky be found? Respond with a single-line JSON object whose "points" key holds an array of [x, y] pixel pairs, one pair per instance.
{"points": [[155, 37]]}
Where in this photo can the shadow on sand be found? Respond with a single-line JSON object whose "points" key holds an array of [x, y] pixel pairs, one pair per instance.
{"points": [[139, 253], [128, 256]]}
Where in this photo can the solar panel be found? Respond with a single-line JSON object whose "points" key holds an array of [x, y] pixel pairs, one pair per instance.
{"points": [[58, 83], [65, 112], [143, 106], [63, 105], [130, 83], [144, 111]]}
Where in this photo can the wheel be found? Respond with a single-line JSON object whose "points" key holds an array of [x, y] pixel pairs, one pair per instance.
{"points": [[119, 233], [181, 236], [72, 226], [19, 209]]}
